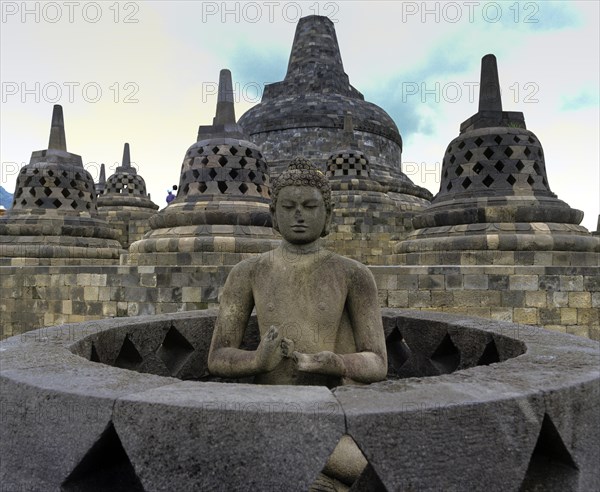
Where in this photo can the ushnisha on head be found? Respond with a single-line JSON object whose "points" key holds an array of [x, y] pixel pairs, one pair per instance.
{"points": [[302, 173]]}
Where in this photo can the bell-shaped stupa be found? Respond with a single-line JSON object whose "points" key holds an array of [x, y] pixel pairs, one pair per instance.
{"points": [[221, 212], [54, 217], [124, 202], [495, 205], [365, 222], [304, 113]]}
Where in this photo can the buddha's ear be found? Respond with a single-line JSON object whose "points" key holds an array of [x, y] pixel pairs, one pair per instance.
{"points": [[274, 220], [327, 226]]}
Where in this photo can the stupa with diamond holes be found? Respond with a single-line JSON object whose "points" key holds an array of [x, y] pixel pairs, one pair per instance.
{"points": [[124, 202], [304, 114], [365, 220], [54, 217], [495, 205], [221, 212]]}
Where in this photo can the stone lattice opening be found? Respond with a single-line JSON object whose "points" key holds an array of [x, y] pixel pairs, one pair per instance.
{"points": [[490, 355], [105, 466], [347, 469], [129, 357], [446, 356], [551, 466], [174, 351]]}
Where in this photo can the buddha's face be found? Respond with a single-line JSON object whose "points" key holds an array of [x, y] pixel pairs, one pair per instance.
{"points": [[300, 214]]}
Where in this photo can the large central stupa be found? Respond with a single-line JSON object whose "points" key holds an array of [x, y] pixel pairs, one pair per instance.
{"points": [[304, 113]]}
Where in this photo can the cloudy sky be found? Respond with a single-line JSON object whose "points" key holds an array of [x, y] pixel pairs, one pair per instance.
{"points": [[145, 73]]}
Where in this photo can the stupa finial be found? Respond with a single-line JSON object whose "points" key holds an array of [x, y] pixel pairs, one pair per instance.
{"points": [[489, 86], [57, 130], [225, 110]]}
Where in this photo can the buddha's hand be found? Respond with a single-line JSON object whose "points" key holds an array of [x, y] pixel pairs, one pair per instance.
{"points": [[269, 352], [327, 363]]}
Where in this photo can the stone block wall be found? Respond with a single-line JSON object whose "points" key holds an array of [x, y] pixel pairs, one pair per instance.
{"points": [[565, 299]]}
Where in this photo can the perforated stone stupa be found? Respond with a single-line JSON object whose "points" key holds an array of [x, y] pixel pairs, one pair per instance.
{"points": [[125, 203], [495, 205], [365, 219], [54, 217], [221, 212], [304, 114]]}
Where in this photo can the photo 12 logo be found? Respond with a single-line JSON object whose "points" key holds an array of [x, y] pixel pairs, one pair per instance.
{"points": [[60, 92], [254, 12], [70, 12]]}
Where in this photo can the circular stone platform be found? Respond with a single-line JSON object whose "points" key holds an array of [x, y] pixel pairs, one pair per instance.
{"points": [[102, 405]]}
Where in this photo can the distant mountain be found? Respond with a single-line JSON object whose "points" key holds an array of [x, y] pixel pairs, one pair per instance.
{"points": [[5, 198]]}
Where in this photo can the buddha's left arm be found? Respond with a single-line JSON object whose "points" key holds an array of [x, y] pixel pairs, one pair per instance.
{"points": [[369, 363]]}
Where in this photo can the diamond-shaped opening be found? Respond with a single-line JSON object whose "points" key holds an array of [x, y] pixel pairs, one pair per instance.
{"points": [[223, 160], [531, 140], [446, 173], [446, 357], [498, 139], [47, 191], [530, 180], [488, 153], [466, 183], [536, 167], [259, 188], [73, 204], [243, 187], [511, 179], [490, 355], [488, 181], [449, 150], [461, 145], [174, 351], [516, 139], [347, 469], [32, 191], [478, 141], [233, 173], [81, 194], [452, 159], [243, 162], [212, 173], [508, 152], [222, 185], [459, 170], [204, 161], [94, 354], [527, 151], [57, 181], [551, 466], [129, 357], [202, 187], [540, 153], [449, 187], [215, 150], [468, 155], [519, 165], [50, 173], [77, 176], [233, 150], [196, 173], [499, 166], [397, 350], [65, 193], [39, 202], [248, 153], [105, 466], [57, 203]]}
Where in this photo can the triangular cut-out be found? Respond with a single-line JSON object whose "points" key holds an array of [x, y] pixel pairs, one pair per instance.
{"points": [[397, 350], [105, 466], [347, 469], [94, 354], [490, 355], [446, 357], [551, 466], [174, 350], [129, 357]]}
